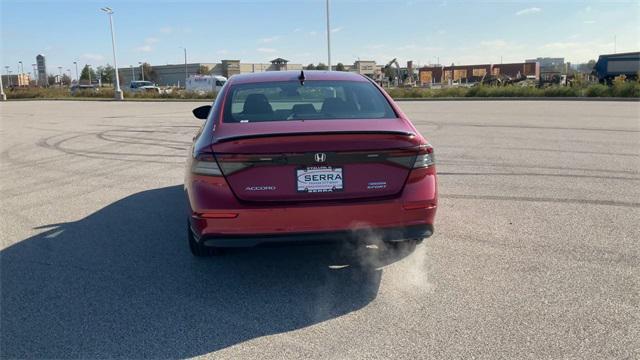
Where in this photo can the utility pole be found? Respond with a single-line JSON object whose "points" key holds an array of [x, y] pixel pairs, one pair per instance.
{"points": [[186, 74], [3, 96], [77, 77], [118, 92], [328, 37]]}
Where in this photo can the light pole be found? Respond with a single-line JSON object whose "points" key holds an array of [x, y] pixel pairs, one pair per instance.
{"points": [[118, 93], [19, 77], [141, 70], [328, 38], [186, 74], [77, 77], [3, 96], [89, 72], [60, 78]]}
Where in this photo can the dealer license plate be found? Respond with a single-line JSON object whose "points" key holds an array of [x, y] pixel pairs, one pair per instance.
{"points": [[319, 179]]}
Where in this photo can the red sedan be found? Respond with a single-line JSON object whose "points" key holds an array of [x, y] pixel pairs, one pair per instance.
{"points": [[306, 156]]}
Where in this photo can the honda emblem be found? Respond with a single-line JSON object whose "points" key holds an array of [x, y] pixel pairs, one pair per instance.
{"points": [[320, 157]]}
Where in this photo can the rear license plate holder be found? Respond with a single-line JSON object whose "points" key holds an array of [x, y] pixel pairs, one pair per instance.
{"points": [[319, 179]]}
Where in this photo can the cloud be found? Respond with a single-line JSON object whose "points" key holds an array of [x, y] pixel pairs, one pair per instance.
{"points": [[528, 11], [147, 46], [297, 30], [494, 44], [166, 30], [268, 40], [222, 52], [313, 33], [92, 57], [374, 46], [266, 50], [576, 51], [337, 29], [144, 48], [441, 32], [589, 22]]}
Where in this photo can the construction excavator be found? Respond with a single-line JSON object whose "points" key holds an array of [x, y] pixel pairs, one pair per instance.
{"points": [[398, 80]]}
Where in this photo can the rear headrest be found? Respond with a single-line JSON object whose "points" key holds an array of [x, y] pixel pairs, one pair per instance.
{"points": [[257, 104]]}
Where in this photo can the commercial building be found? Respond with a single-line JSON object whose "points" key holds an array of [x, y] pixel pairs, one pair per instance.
{"points": [[12, 80], [175, 74], [549, 67], [475, 73]]}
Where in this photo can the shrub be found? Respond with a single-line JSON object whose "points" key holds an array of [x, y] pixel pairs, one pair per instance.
{"points": [[625, 89], [597, 90]]}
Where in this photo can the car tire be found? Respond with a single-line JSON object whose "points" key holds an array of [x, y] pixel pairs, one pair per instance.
{"points": [[198, 249]]}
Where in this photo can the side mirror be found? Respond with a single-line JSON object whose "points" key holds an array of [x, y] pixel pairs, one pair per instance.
{"points": [[202, 112]]}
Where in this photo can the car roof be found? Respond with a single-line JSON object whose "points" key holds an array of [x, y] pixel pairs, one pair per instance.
{"points": [[274, 76]]}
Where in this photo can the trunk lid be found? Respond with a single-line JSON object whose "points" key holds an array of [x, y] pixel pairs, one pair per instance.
{"points": [[316, 160]]}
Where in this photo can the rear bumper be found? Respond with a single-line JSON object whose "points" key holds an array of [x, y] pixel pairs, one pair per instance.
{"points": [[364, 235], [217, 217]]}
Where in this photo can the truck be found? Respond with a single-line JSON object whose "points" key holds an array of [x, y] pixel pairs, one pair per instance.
{"points": [[611, 65], [205, 83]]}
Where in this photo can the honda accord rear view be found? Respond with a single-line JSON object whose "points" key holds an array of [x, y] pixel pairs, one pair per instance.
{"points": [[305, 156]]}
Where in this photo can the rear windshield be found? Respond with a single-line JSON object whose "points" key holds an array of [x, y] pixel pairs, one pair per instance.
{"points": [[315, 100]]}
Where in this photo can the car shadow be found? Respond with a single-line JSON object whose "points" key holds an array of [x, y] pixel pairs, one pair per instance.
{"points": [[122, 283]]}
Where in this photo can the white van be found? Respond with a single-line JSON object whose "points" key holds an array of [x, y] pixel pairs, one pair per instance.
{"points": [[205, 83]]}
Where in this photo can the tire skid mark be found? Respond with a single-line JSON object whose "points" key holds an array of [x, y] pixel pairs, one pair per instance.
{"points": [[535, 174], [532, 167], [120, 156], [528, 127], [560, 151], [542, 199]]}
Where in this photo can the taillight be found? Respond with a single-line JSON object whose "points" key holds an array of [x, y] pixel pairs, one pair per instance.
{"points": [[425, 157], [205, 164]]}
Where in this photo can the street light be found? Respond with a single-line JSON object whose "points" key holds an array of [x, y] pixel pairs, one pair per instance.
{"points": [[3, 96], [141, 70], [21, 67], [77, 77], [118, 93], [186, 74], [60, 78], [89, 72]]}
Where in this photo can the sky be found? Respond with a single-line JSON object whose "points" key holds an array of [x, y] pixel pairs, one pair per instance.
{"points": [[459, 32]]}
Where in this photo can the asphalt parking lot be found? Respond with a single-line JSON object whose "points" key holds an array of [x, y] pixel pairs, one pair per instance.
{"points": [[536, 252]]}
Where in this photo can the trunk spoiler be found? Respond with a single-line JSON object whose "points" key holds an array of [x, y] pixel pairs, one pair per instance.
{"points": [[255, 136]]}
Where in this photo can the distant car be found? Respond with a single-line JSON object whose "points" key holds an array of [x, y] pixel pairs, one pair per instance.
{"points": [[83, 87], [301, 156], [143, 86]]}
